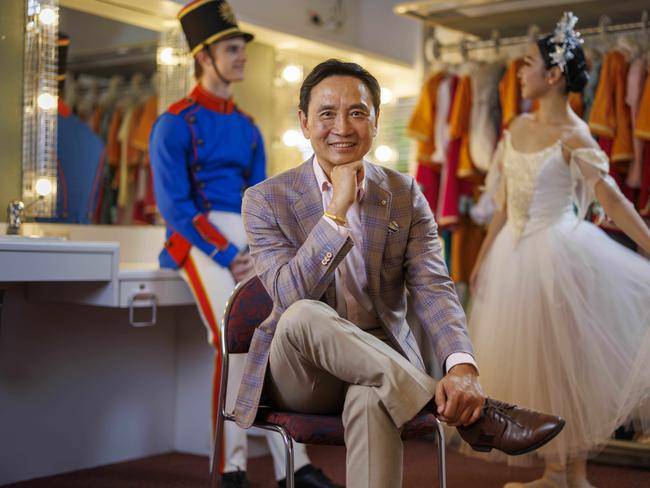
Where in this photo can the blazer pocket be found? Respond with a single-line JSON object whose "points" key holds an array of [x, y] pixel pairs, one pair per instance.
{"points": [[395, 244]]}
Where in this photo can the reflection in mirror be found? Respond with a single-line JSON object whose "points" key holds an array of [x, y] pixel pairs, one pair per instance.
{"points": [[108, 103]]}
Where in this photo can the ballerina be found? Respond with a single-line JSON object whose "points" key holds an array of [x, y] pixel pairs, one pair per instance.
{"points": [[561, 312]]}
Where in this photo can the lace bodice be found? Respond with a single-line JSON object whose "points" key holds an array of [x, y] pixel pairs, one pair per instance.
{"points": [[541, 187]]}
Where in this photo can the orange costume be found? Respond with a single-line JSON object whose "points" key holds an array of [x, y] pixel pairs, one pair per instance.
{"points": [[610, 115], [144, 210], [459, 124], [510, 93], [642, 131], [421, 127]]}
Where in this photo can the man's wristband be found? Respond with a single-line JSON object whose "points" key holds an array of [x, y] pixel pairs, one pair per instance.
{"points": [[336, 218]]}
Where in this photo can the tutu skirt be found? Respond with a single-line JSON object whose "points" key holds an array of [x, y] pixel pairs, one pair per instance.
{"points": [[561, 324]]}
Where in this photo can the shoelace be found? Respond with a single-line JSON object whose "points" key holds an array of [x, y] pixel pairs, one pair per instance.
{"points": [[503, 411]]}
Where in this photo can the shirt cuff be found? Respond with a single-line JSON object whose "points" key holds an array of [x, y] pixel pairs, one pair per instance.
{"points": [[457, 358], [342, 230]]}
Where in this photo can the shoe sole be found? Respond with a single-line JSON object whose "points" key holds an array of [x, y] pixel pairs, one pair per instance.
{"points": [[528, 449]]}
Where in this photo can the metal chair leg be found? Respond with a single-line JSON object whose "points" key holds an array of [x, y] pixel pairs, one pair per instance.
{"points": [[442, 470], [215, 474], [288, 449]]}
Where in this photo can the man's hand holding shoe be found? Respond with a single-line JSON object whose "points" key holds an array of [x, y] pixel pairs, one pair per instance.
{"points": [[487, 424], [459, 396]]}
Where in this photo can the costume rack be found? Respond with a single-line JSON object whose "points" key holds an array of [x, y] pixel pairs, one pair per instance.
{"points": [[434, 48]]}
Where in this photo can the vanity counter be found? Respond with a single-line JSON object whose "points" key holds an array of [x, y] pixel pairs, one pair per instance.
{"points": [[27, 259], [123, 274]]}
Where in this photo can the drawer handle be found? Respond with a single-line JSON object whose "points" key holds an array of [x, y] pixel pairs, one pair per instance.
{"points": [[143, 299]]}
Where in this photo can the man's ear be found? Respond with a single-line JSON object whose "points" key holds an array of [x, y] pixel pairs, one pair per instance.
{"points": [[202, 58], [376, 124], [303, 124]]}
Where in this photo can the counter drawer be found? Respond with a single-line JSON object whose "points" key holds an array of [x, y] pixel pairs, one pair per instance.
{"points": [[166, 291]]}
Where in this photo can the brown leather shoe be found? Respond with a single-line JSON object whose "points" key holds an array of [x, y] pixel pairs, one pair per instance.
{"points": [[510, 429]]}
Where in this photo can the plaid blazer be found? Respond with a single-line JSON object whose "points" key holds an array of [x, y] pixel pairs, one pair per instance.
{"points": [[288, 239]]}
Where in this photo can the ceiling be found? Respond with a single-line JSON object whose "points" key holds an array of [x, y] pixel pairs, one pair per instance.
{"points": [[512, 17]]}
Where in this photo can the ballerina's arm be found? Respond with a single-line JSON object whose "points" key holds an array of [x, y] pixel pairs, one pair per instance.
{"points": [[590, 165]]}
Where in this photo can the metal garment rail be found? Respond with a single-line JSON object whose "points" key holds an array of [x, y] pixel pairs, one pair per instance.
{"points": [[604, 28]]}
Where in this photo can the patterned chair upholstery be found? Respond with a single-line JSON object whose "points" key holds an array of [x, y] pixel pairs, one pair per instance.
{"points": [[248, 306]]}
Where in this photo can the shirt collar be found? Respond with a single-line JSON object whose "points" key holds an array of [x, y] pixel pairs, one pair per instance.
{"points": [[325, 185], [212, 102]]}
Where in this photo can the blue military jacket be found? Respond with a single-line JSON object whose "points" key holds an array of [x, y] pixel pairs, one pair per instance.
{"points": [[204, 153], [80, 166]]}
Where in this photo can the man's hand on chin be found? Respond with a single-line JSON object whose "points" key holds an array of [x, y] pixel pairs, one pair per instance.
{"points": [[345, 179], [459, 396]]}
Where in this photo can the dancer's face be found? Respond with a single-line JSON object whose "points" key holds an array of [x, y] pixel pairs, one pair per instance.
{"points": [[536, 81], [229, 56]]}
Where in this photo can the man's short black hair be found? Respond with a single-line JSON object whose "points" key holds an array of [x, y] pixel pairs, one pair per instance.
{"points": [[334, 67]]}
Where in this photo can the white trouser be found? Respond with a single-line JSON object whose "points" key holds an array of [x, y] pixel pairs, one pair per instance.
{"points": [[211, 286]]}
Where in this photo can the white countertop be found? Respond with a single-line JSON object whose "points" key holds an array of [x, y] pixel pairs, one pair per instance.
{"points": [[89, 272]]}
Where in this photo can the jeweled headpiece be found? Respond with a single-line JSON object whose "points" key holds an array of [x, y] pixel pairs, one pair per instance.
{"points": [[564, 40]]}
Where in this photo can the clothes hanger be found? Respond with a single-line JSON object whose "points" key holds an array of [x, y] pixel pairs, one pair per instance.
{"points": [[603, 24], [499, 57], [465, 66], [532, 34], [433, 54], [644, 37]]}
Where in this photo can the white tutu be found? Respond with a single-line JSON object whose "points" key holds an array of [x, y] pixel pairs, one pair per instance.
{"points": [[561, 319]]}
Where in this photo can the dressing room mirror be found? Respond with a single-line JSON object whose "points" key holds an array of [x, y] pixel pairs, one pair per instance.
{"points": [[90, 96], [111, 87], [119, 65]]}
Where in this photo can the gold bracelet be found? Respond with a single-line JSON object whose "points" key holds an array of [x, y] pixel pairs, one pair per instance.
{"points": [[336, 218]]}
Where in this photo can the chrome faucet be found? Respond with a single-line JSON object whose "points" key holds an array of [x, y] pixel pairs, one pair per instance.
{"points": [[15, 211]]}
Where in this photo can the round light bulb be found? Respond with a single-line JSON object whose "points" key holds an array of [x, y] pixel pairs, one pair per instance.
{"points": [[292, 73], [291, 138], [46, 101], [43, 187], [383, 154], [386, 95], [47, 16], [167, 56]]}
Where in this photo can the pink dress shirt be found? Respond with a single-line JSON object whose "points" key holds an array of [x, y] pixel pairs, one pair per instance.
{"points": [[352, 298]]}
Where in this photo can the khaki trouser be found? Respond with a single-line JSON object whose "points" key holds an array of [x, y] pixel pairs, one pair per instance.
{"points": [[321, 363]]}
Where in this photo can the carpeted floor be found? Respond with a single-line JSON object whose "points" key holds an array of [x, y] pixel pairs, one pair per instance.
{"points": [[176, 470]]}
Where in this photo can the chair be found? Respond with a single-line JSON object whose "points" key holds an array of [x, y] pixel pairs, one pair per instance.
{"points": [[248, 305]]}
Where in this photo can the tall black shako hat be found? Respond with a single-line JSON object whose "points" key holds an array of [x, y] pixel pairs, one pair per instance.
{"points": [[205, 22], [62, 44]]}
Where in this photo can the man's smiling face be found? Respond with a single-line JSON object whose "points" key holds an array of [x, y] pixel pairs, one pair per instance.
{"points": [[341, 122]]}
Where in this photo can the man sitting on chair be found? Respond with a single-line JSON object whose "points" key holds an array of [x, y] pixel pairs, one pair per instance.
{"points": [[337, 242]]}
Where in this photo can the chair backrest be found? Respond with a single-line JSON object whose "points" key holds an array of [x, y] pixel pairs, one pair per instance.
{"points": [[249, 305]]}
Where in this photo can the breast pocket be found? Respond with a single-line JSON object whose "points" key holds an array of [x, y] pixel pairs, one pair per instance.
{"points": [[395, 248]]}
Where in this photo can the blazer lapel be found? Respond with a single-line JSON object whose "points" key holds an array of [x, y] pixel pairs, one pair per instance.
{"points": [[375, 211], [308, 206]]}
